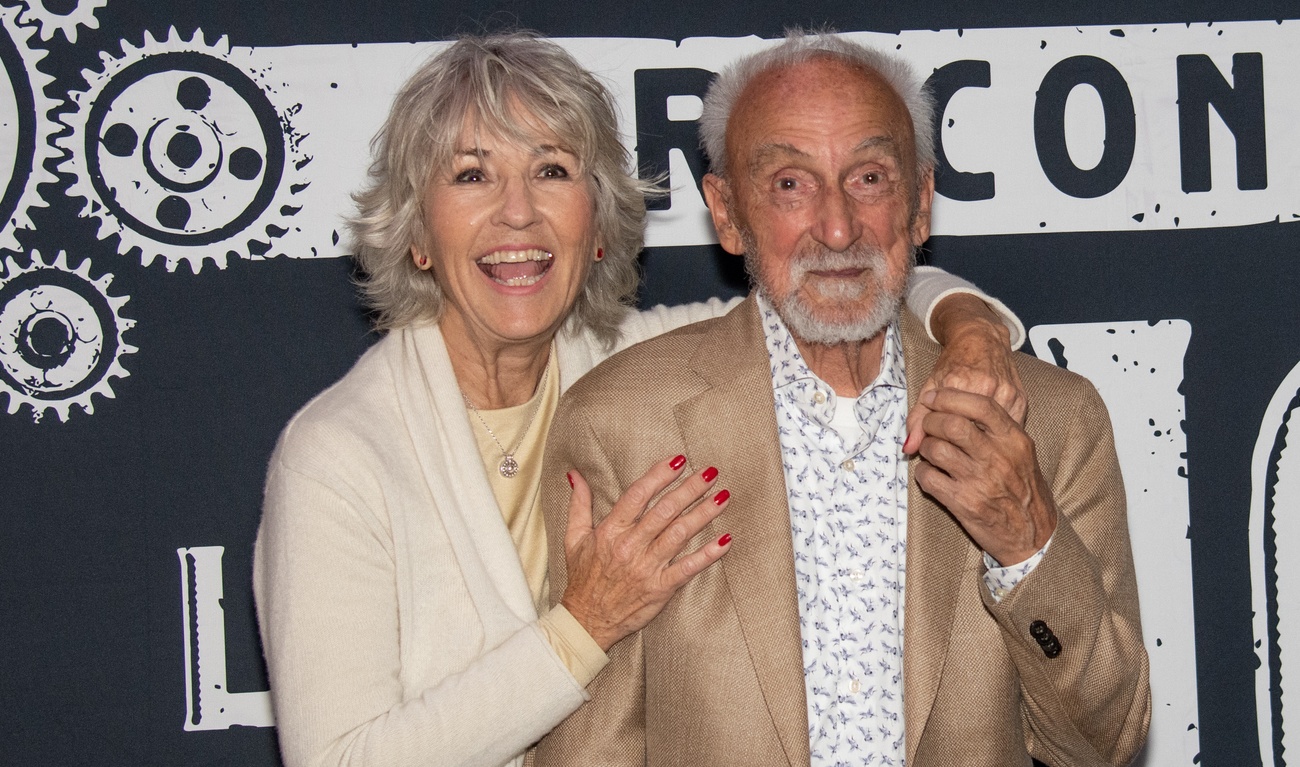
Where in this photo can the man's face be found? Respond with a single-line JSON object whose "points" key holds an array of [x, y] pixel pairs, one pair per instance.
{"points": [[822, 197]]}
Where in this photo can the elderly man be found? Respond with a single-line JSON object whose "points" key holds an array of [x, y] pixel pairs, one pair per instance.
{"points": [[1005, 547]]}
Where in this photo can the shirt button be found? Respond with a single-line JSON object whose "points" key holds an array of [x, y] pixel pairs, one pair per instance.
{"points": [[857, 575], [819, 398], [847, 465], [856, 686]]}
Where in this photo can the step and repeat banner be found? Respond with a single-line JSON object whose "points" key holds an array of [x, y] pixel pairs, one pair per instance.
{"points": [[174, 284]]}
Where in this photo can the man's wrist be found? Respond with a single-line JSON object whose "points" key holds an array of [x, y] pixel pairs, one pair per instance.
{"points": [[1000, 580]]}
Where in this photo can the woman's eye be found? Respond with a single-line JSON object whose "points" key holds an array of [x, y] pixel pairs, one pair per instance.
{"points": [[553, 171], [469, 175], [872, 178]]}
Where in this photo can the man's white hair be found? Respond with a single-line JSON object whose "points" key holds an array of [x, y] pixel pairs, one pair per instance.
{"points": [[798, 47]]}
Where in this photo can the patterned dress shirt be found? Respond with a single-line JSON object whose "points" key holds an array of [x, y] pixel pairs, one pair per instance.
{"points": [[846, 478]]}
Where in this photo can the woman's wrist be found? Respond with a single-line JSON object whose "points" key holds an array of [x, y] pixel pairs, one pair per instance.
{"points": [[961, 313]]}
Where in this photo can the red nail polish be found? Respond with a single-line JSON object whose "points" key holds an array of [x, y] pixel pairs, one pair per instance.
{"points": [[677, 462], [709, 474], [725, 539], [569, 477], [721, 497]]}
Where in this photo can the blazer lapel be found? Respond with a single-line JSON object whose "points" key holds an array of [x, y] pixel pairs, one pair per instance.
{"points": [[732, 425], [937, 549]]}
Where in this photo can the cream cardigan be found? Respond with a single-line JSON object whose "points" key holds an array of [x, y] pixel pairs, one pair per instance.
{"points": [[396, 621], [379, 524]]}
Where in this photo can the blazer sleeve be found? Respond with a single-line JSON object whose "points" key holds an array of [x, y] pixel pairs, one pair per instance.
{"points": [[1091, 704], [610, 729], [325, 580]]}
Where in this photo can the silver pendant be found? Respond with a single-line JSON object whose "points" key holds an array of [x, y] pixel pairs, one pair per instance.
{"points": [[509, 467]]}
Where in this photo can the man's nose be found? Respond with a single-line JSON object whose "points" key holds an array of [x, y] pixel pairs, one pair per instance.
{"points": [[837, 226]]}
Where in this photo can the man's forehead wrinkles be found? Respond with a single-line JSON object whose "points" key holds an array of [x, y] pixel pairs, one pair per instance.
{"points": [[878, 142], [768, 151], [780, 150]]}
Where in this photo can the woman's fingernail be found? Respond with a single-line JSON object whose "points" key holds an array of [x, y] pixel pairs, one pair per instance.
{"points": [[569, 476], [709, 474], [677, 462], [725, 539], [721, 497]]}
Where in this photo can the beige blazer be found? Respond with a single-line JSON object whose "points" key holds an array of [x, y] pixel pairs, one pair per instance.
{"points": [[717, 678]]}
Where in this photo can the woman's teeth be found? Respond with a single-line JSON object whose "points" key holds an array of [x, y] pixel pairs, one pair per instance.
{"points": [[516, 282], [515, 256]]}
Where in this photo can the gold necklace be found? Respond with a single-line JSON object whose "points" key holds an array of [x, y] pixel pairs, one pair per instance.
{"points": [[509, 467]]}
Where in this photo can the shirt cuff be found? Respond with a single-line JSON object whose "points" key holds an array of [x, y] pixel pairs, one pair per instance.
{"points": [[938, 285], [1001, 580], [571, 642]]}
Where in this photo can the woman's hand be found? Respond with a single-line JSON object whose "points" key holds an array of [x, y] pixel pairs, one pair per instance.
{"points": [[623, 571], [976, 358]]}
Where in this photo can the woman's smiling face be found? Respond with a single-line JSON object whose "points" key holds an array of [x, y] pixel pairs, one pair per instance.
{"points": [[510, 234]]}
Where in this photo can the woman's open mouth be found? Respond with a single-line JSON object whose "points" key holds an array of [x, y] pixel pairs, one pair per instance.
{"points": [[516, 268]]}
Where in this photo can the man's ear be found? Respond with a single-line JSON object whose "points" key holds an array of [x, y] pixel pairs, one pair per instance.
{"points": [[717, 195], [924, 203]]}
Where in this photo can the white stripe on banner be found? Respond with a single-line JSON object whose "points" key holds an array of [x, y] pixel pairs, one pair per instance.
{"points": [[1056, 129], [1274, 502], [1137, 368]]}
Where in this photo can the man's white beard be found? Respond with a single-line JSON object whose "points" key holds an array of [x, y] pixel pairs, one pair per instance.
{"points": [[858, 311]]}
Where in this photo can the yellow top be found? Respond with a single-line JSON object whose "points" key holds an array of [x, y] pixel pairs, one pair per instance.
{"points": [[518, 498]]}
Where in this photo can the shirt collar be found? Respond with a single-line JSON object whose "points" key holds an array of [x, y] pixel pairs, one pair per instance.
{"points": [[789, 368]]}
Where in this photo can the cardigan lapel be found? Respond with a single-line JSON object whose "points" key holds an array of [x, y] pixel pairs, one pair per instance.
{"points": [[937, 550], [732, 425], [446, 450]]}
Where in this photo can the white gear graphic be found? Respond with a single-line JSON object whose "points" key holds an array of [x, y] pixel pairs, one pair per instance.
{"points": [[181, 149], [26, 134], [60, 336], [49, 22]]}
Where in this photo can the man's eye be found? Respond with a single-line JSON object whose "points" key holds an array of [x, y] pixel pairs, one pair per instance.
{"points": [[553, 171], [787, 184], [469, 176], [872, 183]]}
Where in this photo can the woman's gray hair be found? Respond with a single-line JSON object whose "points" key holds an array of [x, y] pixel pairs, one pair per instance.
{"points": [[798, 47], [510, 84]]}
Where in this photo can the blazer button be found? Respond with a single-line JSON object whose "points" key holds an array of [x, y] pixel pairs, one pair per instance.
{"points": [[1047, 641]]}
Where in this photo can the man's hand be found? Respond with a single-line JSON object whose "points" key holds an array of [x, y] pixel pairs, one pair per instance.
{"points": [[623, 571], [976, 358], [979, 463]]}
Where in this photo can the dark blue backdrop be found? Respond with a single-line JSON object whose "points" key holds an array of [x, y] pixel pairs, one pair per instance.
{"points": [[96, 507]]}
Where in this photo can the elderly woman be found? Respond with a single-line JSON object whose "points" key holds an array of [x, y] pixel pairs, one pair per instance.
{"points": [[400, 567]]}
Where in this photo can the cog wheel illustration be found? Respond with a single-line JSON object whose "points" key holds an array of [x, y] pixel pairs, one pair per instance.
{"points": [[25, 130], [50, 16], [183, 153], [60, 336]]}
